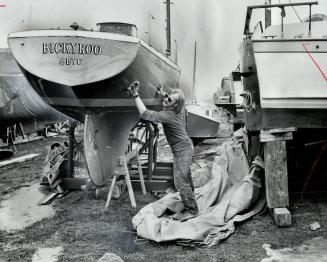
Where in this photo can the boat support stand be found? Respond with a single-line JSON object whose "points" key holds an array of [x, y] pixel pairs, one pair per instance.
{"points": [[276, 176]]}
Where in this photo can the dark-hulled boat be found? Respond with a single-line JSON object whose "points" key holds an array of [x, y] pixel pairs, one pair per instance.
{"points": [[84, 74], [19, 103]]}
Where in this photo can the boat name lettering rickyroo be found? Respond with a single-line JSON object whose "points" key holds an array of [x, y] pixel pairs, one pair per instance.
{"points": [[71, 48]]}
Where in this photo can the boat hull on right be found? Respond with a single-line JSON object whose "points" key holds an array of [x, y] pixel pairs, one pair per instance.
{"points": [[284, 77]]}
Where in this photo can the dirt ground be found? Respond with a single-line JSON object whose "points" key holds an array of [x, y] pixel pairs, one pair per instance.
{"points": [[86, 231]]}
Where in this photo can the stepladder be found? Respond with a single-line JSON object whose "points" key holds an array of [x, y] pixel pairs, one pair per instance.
{"points": [[276, 173], [122, 170]]}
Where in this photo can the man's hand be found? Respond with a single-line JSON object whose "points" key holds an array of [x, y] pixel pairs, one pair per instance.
{"points": [[133, 88], [160, 91]]}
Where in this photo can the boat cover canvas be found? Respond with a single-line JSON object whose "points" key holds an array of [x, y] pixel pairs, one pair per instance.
{"points": [[18, 101], [233, 194]]}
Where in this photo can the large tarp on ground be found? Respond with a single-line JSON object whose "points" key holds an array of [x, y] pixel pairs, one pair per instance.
{"points": [[233, 194]]}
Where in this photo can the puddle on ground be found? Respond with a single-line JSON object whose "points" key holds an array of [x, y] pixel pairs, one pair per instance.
{"points": [[311, 250], [47, 254], [21, 209], [124, 240]]}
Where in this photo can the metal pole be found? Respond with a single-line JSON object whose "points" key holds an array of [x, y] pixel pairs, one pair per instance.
{"points": [[282, 15], [155, 147], [168, 31], [310, 21], [194, 72], [150, 154], [149, 25], [283, 5], [176, 52], [267, 14], [72, 126]]}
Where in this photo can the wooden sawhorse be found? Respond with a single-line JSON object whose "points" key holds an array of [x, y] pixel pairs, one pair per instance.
{"points": [[276, 176], [122, 170]]}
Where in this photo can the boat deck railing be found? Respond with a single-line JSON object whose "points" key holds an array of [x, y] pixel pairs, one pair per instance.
{"points": [[283, 14]]}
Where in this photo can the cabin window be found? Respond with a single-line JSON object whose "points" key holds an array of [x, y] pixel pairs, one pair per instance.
{"points": [[118, 28]]}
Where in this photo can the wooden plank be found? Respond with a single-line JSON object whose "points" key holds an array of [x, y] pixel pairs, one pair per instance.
{"points": [[278, 130], [48, 199], [110, 191], [159, 171], [61, 195], [136, 176], [154, 185], [276, 174], [18, 159], [129, 185], [131, 154], [282, 217], [22, 130], [276, 137], [150, 154], [164, 164], [140, 174]]}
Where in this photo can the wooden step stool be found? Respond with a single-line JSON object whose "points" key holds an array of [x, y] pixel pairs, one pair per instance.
{"points": [[122, 170]]}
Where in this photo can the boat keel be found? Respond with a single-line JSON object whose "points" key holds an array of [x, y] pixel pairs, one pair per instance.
{"points": [[105, 140]]}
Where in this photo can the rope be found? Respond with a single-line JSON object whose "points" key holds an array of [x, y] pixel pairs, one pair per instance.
{"points": [[247, 101], [54, 164]]}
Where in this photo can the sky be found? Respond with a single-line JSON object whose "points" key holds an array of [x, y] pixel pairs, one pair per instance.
{"points": [[216, 25]]}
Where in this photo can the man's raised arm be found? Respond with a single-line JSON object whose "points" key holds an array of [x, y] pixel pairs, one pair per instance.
{"points": [[132, 89]]}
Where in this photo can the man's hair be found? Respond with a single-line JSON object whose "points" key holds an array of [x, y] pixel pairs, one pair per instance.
{"points": [[181, 101]]}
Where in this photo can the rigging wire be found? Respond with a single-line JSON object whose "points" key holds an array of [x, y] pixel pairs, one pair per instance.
{"points": [[295, 11]]}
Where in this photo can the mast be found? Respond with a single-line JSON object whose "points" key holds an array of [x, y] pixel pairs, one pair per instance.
{"points": [[168, 31], [194, 72], [267, 14], [150, 18], [176, 50]]}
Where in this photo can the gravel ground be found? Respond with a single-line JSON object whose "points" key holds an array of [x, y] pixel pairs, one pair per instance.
{"points": [[86, 231]]}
